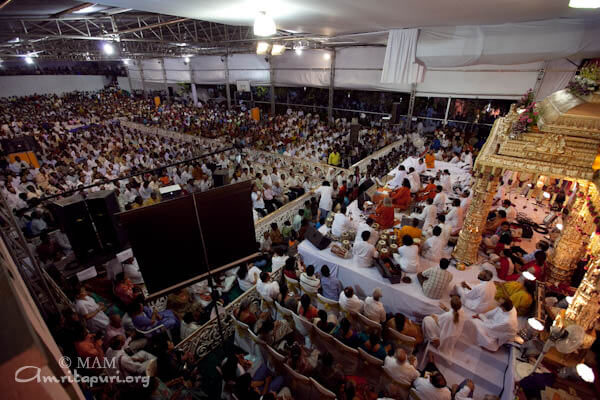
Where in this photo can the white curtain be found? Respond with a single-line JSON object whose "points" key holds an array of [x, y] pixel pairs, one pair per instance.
{"points": [[400, 64], [557, 76]]}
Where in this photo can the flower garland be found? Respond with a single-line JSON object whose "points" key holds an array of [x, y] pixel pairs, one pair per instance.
{"points": [[528, 116], [586, 82]]}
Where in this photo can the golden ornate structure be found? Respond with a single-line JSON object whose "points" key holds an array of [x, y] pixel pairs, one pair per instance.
{"points": [[564, 145]]}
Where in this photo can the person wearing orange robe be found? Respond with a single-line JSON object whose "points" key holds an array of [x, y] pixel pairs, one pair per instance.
{"points": [[430, 160], [427, 192], [384, 214], [401, 197]]}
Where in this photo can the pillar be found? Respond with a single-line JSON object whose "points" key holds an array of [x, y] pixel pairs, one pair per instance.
{"points": [[164, 74], [568, 246], [331, 89], [227, 89], [411, 105], [272, 84], [142, 77], [469, 238]]}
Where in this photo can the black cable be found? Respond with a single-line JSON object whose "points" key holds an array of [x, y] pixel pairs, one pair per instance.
{"points": [[505, 371]]}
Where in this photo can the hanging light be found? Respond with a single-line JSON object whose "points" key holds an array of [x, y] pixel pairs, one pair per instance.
{"points": [[584, 3], [327, 56], [298, 51], [186, 59], [535, 324], [264, 25], [277, 49], [125, 61], [108, 49], [28, 60], [585, 373], [262, 48]]}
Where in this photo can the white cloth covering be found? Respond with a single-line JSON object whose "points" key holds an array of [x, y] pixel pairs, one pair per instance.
{"points": [[480, 298]]}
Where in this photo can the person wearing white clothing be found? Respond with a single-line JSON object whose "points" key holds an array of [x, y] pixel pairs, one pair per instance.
{"points": [[432, 388], [479, 297], [408, 256], [511, 212], [124, 364], [440, 199], [247, 277], [428, 215], [496, 327], [91, 312], [433, 246], [443, 331], [366, 226], [398, 178], [267, 288], [400, 368], [349, 301], [373, 307], [454, 217], [414, 179], [341, 223], [364, 252], [446, 181], [326, 201]]}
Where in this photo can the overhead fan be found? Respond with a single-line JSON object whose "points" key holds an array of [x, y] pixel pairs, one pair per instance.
{"points": [[566, 340]]}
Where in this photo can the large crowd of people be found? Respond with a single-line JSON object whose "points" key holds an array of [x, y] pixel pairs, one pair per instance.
{"points": [[82, 145]]}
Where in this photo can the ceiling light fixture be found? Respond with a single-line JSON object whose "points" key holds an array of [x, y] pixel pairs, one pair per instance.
{"points": [[108, 49], [186, 59], [262, 48], [277, 49], [264, 25], [125, 61], [584, 3], [28, 60], [327, 56], [298, 51]]}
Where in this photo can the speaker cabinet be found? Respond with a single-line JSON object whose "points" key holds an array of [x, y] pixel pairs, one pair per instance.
{"points": [[103, 206], [221, 177], [73, 216], [395, 113], [317, 239]]}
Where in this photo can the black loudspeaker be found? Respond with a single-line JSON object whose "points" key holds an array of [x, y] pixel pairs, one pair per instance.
{"points": [[73, 216], [395, 113], [171, 91], [317, 239], [20, 144], [220, 177], [103, 206]]}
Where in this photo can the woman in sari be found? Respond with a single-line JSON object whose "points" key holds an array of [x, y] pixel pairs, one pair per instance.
{"points": [[145, 318]]}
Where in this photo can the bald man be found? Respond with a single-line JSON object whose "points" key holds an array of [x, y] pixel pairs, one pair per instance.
{"points": [[401, 368]]}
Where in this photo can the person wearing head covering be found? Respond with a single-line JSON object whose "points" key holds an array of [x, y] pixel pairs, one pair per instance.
{"points": [[384, 214]]}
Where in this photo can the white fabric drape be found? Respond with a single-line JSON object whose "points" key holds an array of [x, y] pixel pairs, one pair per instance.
{"points": [[400, 65], [507, 44], [557, 76]]}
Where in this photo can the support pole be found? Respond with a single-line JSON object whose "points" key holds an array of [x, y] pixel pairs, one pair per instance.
{"points": [[129, 80], [193, 84], [142, 78], [411, 105], [164, 72], [331, 88], [447, 111], [539, 79], [271, 85], [227, 81]]}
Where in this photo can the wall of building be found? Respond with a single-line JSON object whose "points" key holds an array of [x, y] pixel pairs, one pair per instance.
{"points": [[24, 85]]}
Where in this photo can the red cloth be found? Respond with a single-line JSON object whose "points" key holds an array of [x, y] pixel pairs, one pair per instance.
{"points": [[503, 272], [538, 271], [401, 198], [384, 216]]}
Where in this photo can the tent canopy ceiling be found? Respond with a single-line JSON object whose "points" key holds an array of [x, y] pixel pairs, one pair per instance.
{"points": [[337, 17]]}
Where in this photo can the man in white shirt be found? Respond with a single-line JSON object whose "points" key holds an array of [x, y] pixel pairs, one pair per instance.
{"points": [[398, 178], [267, 288], [415, 180], [408, 256], [326, 201], [349, 301], [373, 308], [91, 312], [309, 283], [511, 212], [432, 388], [341, 223], [446, 181], [496, 327], [478, 297], [364, 252], [433, 246], [279, 259], [366, 226], [401, 368]]}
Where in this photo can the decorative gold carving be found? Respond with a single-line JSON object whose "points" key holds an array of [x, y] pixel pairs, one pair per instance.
{"points": [[470, 235], [561, 110]]}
